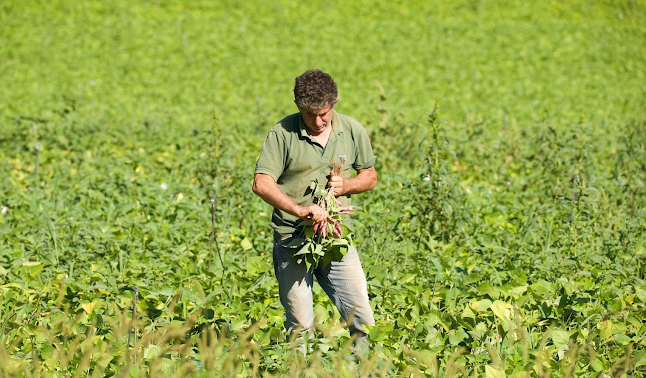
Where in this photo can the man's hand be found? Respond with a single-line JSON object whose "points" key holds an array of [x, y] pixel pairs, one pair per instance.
{"points": [[336, 182], [314, 213], [366, 179], [268, 190]]}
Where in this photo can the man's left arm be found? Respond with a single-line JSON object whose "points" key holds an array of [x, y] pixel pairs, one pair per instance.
{"points": [[365, 180]]}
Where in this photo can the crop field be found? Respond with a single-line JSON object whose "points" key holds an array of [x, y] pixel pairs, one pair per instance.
{"points": [[505, 238]]}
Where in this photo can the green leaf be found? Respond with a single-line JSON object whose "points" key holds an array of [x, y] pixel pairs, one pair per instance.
{"points": [[502, 309], [296, 242], [492, 372], [408, 278], [307, 248], [326, 260], [89, 307], [481, 306], [560, 337], [33, 268], [151, 351], [340, 242], [518, 291], [246, 244], [486, 288], [479, 331], [622, 339], [597, 365], [342, 251], [605, 328], [640, 358], [438, 268], [542, 288]]}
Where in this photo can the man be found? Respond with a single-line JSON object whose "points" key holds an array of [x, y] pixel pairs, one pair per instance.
{"points": [[298, 151]]}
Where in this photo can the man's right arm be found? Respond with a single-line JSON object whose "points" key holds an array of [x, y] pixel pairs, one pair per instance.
{"points": [[267, 189]]}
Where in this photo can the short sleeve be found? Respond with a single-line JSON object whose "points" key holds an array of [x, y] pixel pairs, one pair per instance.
{"points": [[364, 158], [272, 156]]}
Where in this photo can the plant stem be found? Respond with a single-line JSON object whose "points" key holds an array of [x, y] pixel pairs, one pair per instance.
{"points": [[134, 322], [37, 156], [214, 239]]}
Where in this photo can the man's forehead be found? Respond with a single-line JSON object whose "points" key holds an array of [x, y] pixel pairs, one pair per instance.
{"points": [[326, 109]]}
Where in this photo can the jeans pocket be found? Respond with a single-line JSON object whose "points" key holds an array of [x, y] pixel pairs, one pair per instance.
{"points": [[282, 255]]}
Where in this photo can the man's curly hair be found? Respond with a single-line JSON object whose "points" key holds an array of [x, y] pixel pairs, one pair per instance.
{"points": [[315, 90]]}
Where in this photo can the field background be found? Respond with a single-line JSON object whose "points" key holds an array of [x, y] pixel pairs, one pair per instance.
{"points": [[505, 237]]}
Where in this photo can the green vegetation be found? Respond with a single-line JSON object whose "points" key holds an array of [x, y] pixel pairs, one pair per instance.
{"points": [[505, 237]]}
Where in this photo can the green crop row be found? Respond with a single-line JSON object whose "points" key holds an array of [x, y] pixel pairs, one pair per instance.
{"points": [[505, 236]]}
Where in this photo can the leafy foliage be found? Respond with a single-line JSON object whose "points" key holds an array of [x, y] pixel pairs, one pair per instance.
{"points": [[326, 240], [438, 198], [119, 121]]}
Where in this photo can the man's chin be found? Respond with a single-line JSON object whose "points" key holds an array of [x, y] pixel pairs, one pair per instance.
{"points": [[316, 130]]}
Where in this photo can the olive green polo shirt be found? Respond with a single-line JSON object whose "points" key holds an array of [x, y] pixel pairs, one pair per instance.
{"points": [[295, 160]]}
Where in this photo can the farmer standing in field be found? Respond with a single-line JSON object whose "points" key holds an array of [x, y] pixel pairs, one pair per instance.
{"points": [[297, 151]]}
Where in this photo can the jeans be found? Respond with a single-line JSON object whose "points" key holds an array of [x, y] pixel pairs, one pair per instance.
{"points": [[343, 281]]}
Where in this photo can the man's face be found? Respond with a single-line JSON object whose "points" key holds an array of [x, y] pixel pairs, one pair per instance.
{"points": [[317, 120]]}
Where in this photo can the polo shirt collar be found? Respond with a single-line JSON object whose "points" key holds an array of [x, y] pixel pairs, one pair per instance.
{"points": [[336, 123]]}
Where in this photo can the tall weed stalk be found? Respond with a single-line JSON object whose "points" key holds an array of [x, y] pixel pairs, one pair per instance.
{"points": [[439, 200]]}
